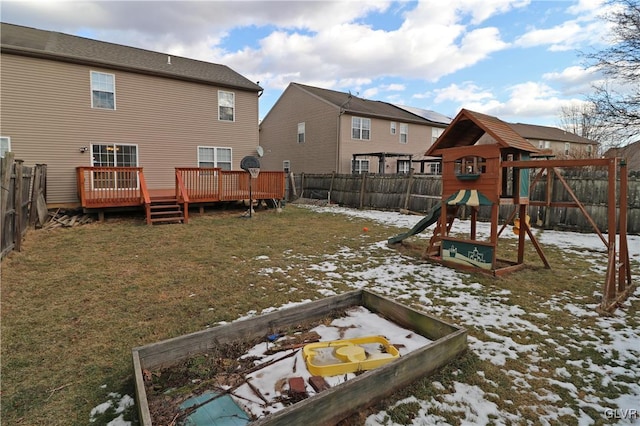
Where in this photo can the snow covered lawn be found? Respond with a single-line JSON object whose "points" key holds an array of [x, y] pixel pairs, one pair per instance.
{"points": [[535, 358]]}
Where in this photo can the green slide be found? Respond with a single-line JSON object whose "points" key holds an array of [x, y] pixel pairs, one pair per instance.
{"points": [[428, 220]]}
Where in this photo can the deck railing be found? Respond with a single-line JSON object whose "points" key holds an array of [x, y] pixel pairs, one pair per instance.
{"points": [[102, 187], [214, 184], [201, 184]]}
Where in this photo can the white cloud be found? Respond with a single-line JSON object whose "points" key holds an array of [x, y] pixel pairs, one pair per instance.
{"points": [[370, 93], [480, 10], [393, 87], [528, 99], [587, 28], [462, 93], [426, 48], [574, 80]]}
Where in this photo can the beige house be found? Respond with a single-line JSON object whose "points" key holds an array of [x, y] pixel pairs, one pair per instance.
{"points": [[314, 130], [73, 102], [562, 144], [631, 154]]}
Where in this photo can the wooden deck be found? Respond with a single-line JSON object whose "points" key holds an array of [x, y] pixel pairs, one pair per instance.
{"points": [[112, 187]]}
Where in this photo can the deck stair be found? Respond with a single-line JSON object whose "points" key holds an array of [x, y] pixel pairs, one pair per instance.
{"points": [[164, 209]]}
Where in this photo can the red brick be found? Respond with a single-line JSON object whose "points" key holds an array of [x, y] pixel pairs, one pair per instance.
{"points": [[318, 383], [296, 385]]}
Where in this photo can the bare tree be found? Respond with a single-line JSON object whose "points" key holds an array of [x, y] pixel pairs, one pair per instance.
{"points": [[582, 120], [617, 100]]}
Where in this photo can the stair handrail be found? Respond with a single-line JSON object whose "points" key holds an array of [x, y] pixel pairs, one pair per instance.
{"points": [[144, 192], [181, 191], [182, 195]]}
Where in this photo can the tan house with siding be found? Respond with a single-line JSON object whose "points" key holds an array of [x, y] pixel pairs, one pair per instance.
{"points": [[73, 102], [631, 154], [315, 130], [562, 144]]}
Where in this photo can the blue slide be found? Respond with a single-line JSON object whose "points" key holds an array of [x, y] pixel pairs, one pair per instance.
{"points": [[431, 218]]}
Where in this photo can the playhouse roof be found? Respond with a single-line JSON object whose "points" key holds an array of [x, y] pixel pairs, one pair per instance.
{"points": [[469, 126]]}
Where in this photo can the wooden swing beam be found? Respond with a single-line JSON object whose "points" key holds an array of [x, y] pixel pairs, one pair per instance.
{"points": [[618, 285]]}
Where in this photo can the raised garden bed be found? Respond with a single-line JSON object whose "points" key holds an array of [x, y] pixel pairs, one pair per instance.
{"points": [[166, 372]]}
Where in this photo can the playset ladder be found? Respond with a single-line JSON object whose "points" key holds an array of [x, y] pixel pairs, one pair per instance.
{"points": [[435, 242]]}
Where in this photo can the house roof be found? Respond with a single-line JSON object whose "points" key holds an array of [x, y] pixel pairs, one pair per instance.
{"points": [[354, 105], [630, 152], [19, 40], [469, 126], [532, 131], [427, 114]]}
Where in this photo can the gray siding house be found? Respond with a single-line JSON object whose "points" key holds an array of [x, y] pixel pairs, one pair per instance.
{"points": [[73, 102], [315, 130]]}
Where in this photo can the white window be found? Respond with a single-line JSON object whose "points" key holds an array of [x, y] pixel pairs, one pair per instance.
{"points": [[213, 156], [103, 90], [435, 133], [435, 169], [567, 145], [286, 166], [404, 166], [404, 133], [393, 127], [589, 150], [540, 144], [226, 105], [361, 166], [5, 145], [360, 128], [114, 155], [547, 144], [301, 132]]}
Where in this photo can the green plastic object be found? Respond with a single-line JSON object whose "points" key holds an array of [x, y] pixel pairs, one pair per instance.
{"points": [[431, 218]]}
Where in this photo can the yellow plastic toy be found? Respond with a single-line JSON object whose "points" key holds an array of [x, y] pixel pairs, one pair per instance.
{"points": [[348, 356], [516, 224]]}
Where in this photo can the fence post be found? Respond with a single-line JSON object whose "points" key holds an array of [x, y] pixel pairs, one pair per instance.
{"points": [[6, 169], [302, 185], [409, 187], [333, 175], [17, 219], [362, 189], [35, 193]]}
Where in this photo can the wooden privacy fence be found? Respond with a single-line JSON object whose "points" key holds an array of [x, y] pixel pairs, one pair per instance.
{"points": [[22, 201], [420, 193]]}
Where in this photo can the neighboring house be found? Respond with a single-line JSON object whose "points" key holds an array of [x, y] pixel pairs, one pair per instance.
{"points": [[314, 130], [72, 102], [562, 144], [629, 152], [421, 162]]}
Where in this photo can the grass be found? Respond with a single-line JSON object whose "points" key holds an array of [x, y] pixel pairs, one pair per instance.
{"points": [[75, 301]]}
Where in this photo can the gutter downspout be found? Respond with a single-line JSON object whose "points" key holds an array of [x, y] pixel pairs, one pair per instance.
{"points": [[338, 140], [340, 112]]}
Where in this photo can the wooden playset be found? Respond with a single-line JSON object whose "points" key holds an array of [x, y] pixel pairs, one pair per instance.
{"points": [[486, 163]]}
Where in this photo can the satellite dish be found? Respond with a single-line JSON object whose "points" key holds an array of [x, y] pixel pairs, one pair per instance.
{"points": [[260, 151]]}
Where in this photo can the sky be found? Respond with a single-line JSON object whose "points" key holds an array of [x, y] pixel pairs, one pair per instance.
{"points": [[519, 60], [593, 351]]}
